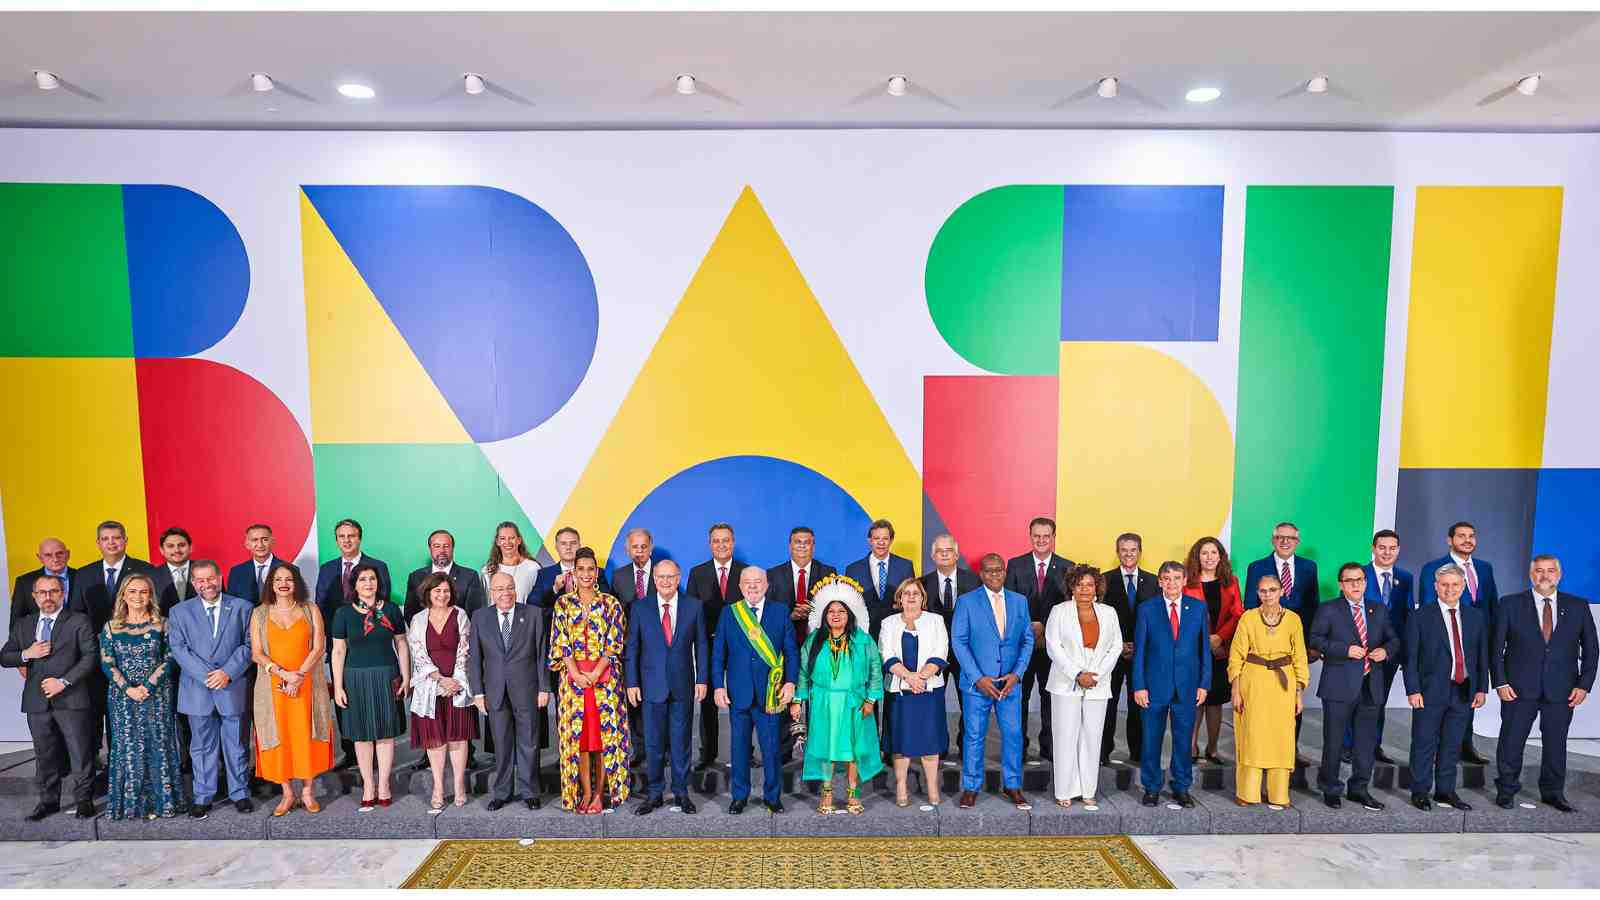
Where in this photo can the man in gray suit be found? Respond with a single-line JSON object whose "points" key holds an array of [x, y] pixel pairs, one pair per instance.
{"points": [[58, 649], [506, 661], [210, 640]]}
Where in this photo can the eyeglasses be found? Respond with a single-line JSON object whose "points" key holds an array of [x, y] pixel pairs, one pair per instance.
{"points": [[1357, 580]]}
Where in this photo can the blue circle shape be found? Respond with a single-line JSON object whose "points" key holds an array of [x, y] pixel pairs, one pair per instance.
{"points": [[762, 497]]}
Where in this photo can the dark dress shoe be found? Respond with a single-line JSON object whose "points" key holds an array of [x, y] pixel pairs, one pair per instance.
{"points": [[199, 810], [969, 799], [1505, 801], [685, 805], [496, 805], [346, 763], [775, 807], [1332, 801], [244, 806], [647, 807], [1015, 796], [705, 765], [1453, 799], [736, 807], [1185, 800], [1420, 801], [1470, 755], [85, 810], [1150, 798], [42, 810], [1559, 803], [1367, 801], [535, 803], [1380, 756]]}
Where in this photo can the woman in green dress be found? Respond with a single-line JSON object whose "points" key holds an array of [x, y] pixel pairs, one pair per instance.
{"points": [[841, 679]]}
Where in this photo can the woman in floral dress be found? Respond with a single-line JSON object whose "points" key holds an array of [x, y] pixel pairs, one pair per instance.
{"points": [[134, 654], [587, 634]]}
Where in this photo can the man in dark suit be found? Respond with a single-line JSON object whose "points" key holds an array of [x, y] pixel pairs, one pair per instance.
{"points": [[879, 573], [1127, 586], [58, 648], [333, 577], [667, 666], [507, 665], [1354, 638], [715, 583], [53, 556], [632, 579], [1039, 576], [248, 579], [554, 581], [441, 553], [1481, 594], [1542, 656], [94, 593], [172, 579], [742, 662], [1298, 576], [946, 582], [1170, 675], [1392, 587], [1447, 676], [789, 584]]}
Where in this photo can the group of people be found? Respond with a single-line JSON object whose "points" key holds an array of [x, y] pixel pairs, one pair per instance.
{"points": [[259, 675]]}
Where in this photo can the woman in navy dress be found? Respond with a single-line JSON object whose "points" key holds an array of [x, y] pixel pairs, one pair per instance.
{"points": [[134, 654], [915, 648]]}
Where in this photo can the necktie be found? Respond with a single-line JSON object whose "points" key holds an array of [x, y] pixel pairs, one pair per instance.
{"points": [[1172, 615], [638, 582], [1388, 585], [948, 594], [111, 581], [800, 595], [1361, 634], [46, 627], [1546, 621], [883, 579], [261, 578], [345, 578], [1472, 583], [1286, 576], [211, 612], [997, 602], [180, 581], [1039, 587], [1459, 674], [505, 630], [1133, 590], [666, 622], [722, 581]]}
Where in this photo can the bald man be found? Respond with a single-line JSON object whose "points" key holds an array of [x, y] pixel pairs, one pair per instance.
{"points": [[52, 556]]}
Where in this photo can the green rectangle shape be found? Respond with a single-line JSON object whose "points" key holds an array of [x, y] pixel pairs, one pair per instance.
{"points": [[1314, 304], [64, 271], [400, 493]]}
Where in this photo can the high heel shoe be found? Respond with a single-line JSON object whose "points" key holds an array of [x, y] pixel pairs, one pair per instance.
{"points": [[284, 805], [385, 801]]}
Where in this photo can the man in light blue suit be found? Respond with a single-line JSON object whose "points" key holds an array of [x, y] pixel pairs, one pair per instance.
{"points": [[992, 635], [1171, 671], [667, 679], [210, 640], [754, 644]]}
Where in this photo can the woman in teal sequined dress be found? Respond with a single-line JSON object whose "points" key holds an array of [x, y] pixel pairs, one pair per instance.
{"points": [[145, 776]]}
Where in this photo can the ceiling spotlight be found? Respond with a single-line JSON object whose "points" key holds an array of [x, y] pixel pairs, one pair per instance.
{"points": [[1202, 95], [47, 81], [473, 83], [1527, 86], [260, 82], [897, 85], [357, 91], [1107, 87], [1317, 85], [684, 84]]}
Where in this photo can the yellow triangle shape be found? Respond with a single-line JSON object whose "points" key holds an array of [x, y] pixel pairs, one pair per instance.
{"points": [[748, 365], [366, 385]]}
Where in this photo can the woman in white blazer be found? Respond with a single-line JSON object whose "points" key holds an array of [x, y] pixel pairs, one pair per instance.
{"points": [[1084, 641], [916, 652]]}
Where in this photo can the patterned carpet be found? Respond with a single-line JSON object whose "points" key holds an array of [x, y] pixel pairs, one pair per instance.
{"points": [[1015, 862]]}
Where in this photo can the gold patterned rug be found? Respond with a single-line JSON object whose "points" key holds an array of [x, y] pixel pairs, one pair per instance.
{"points": [[978, 862]]}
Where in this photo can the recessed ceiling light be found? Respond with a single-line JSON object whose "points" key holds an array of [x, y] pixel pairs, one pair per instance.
{"points": [[357, 91], [1317, 85], [897, 85], [1107, 87], [1527, 86], [47, 81], [260, 82], [684, 84], [472, 82], [1202, 95]]}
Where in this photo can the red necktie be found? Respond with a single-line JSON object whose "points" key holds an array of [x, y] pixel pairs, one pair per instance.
{"points": [[666, 622], [1287, 578], [1361, 635], [722, 581], [1172, 613], [1039, 588], [638, 583], [1546, 623], [1460, 673], [800, 587]]}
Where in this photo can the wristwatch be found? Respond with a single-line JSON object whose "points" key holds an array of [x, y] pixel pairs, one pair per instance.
{"points": [[65, 683]]}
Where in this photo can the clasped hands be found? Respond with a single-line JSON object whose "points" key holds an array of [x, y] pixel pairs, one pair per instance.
{"points": [[1376, 654], [985, 686]]}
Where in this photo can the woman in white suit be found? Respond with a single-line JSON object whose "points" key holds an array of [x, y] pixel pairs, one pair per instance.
{"points": [[916, 651], [1084, 641]]}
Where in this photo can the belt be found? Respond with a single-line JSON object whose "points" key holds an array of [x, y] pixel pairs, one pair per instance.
{"points": [[1276, 665]]}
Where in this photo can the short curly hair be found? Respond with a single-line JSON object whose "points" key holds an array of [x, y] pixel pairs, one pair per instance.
{"points": [[1078, 573]]}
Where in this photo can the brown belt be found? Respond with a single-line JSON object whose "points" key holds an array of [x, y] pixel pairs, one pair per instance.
{"points": [[1276, 665]]}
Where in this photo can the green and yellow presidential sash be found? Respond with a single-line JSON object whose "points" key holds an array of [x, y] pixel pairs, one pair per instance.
{"points": [[763, 648]]}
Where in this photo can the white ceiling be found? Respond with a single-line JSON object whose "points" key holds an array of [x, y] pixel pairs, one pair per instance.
{"points": [[614, 70]]}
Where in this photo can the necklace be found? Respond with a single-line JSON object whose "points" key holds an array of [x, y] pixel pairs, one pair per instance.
{"points": [[840, 645], [1273, 625]]}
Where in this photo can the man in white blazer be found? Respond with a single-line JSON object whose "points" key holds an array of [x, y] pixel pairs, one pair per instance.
{"points": [[1080, 680]]}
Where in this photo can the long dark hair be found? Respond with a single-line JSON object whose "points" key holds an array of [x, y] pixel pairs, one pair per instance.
{"points": [[492, 564], [822, 633], [1191, 565]]}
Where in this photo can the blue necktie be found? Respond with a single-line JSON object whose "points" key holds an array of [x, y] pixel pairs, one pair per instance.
{"points": [[883, 579], [211, 611], [1133, 590], [1386, 588], [111, 581], [46, 628]]}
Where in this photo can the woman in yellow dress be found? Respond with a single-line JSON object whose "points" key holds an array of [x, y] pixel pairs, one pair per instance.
{"points": [[1268, 668], [587, 634]]}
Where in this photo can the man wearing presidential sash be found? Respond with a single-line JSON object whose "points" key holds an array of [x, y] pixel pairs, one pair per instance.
{"points": [[753, 670]]}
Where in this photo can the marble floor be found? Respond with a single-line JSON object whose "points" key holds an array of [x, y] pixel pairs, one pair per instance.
{"points": [[1449, 861]]}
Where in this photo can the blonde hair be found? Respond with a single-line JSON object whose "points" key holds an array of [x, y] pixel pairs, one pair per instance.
{"points": [[119, 610]]}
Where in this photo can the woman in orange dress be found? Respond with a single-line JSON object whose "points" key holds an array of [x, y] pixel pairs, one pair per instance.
{"points": [[295, 734]]}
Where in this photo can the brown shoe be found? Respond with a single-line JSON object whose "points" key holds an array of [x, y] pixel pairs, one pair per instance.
{"points": [[969, 799], [1015, 796]]}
